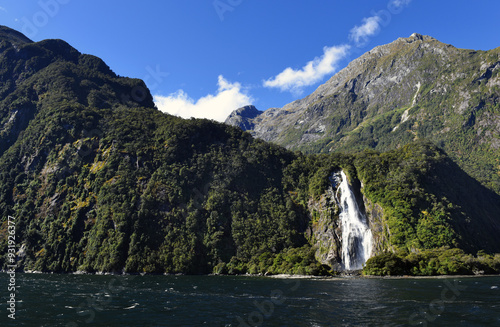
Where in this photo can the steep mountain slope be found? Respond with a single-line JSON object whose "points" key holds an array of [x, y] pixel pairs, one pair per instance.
{"points": [[414, 88], [97, 179], [243, 117]]}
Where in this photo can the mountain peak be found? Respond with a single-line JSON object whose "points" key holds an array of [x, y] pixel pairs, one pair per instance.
{"points": [[415, 87], [102, 182], [419, 37], [242, 117], [13, 36]]}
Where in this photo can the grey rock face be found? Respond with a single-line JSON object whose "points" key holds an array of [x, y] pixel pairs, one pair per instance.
{"points": [[413, 88], [243, 117], [326, 229], [379, 78]]}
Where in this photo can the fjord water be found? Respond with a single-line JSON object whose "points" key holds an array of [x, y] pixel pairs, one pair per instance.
{"points": [[356, 235], [83, 300]]}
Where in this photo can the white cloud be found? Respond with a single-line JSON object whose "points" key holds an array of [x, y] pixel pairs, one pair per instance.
{"points": [[360, 34], [229, 97], [295, 80], [314, 71], [372, 25], [400, 3]]}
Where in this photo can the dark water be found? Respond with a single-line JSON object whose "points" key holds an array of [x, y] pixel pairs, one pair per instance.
{"points": [[77, 300]]}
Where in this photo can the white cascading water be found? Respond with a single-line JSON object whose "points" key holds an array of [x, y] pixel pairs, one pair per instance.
{"points": [[356, 234]]}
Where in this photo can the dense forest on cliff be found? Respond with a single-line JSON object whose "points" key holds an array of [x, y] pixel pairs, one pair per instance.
{"points": [[414, 88], [99, 180]]}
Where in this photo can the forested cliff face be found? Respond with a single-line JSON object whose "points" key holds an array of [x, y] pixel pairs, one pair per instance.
{"points": [[411, 89], [97, 179]]}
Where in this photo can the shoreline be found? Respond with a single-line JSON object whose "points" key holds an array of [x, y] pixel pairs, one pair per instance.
{"points": [[278, 276], [340, 277]]}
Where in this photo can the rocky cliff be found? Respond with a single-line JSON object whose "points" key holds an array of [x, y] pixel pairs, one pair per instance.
{"points": [[97, 179], [243, 117], [413, 88]]}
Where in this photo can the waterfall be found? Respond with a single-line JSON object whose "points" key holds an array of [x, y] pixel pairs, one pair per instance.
{"points": [[356, 235]]}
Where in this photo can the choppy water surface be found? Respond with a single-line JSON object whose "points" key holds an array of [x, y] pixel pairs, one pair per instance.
{"points": [[80, 300]]}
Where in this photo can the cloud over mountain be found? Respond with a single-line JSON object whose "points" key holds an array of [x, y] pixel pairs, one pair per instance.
{"points": [[212, 106]]}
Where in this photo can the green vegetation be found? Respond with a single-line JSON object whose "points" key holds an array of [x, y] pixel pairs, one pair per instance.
{"points": [[292, 261], [440, 261], [409, 90], [99, 180]]}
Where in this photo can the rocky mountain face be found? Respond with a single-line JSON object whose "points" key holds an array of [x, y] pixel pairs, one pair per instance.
{"points": [[326, 231], [96, 179], [413, 88], [39, 77], [243, 117]]}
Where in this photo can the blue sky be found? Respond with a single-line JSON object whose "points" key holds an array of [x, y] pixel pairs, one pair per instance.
{"points": [[205, 58]]}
